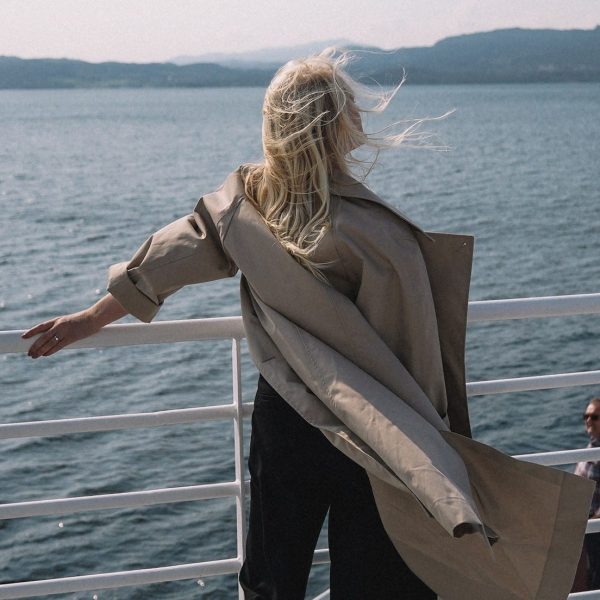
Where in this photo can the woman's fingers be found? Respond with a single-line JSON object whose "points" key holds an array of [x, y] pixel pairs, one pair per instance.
{"points": [[57, 333], [58, 346], [39, 328], [54, 344], [46, 342]]}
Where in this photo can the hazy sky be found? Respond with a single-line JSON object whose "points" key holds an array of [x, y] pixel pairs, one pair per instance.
{"points": [[156, 30]]}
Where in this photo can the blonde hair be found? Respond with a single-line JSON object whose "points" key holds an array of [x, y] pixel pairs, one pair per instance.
{"points": [[311, 123]]}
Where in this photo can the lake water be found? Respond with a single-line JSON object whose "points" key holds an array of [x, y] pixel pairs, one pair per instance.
{"points": [[87, 175]]}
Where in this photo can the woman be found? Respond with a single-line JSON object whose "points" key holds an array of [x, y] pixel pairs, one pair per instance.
{"points": [[355, 319]]}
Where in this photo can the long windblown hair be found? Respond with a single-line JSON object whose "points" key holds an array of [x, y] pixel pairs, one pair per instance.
{"points": [[311, 124]]}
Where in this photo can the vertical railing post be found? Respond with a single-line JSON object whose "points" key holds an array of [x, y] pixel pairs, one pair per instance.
{"points": [[238, 437]]}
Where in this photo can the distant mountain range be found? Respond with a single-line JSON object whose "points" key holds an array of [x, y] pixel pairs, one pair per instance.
{"points": [[502, 56], [264, 58], [16, 73]]}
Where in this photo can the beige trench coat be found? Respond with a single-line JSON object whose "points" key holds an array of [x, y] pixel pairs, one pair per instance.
{"points": [[378, 367]]}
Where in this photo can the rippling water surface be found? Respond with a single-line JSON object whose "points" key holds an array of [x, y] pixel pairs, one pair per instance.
{"points": [[87, 175]]}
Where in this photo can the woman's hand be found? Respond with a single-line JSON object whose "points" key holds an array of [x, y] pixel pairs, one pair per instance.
{"points": [[62, 331]]}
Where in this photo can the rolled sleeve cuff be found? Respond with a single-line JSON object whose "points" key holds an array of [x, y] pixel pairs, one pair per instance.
{"points": [[128, 295]]}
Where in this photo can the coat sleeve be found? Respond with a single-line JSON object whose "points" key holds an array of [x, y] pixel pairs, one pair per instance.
{"points": [[186, 251]]}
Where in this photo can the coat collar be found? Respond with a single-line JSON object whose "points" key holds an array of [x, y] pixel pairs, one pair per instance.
{"points": [[341, 185], [348, 187]]}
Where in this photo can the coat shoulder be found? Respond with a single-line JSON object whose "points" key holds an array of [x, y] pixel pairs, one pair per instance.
{"points": [[221, 204], [368, 220]]}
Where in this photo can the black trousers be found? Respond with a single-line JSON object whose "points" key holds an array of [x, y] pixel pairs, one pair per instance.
{"points": [[592, 546], [296, 477]]}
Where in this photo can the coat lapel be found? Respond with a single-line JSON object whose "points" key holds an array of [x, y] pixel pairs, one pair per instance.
{"points": [[448, 258]]}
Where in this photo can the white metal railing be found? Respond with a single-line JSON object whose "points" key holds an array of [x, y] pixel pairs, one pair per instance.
{"points": [[232, 328]]}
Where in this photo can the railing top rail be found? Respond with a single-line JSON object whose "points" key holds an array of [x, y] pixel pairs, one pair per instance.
{"points": [[162, 332], [131, 334]]}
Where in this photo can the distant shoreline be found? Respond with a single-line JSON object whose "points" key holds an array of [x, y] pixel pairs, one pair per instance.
{"points": [[504, 56], [216, 87]]}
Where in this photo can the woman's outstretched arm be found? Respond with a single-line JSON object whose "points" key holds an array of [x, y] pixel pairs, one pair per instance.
{"points": [[62, 331], [188, 250]]}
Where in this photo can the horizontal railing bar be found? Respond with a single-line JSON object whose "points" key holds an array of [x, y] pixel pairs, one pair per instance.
{"points": [[591, 595], [116, 422], [64, 506], [593, 526], [132, 334], [528, 308], [211, 413], [83, 583], [536, 382], [161, 332], [561, 457]]}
